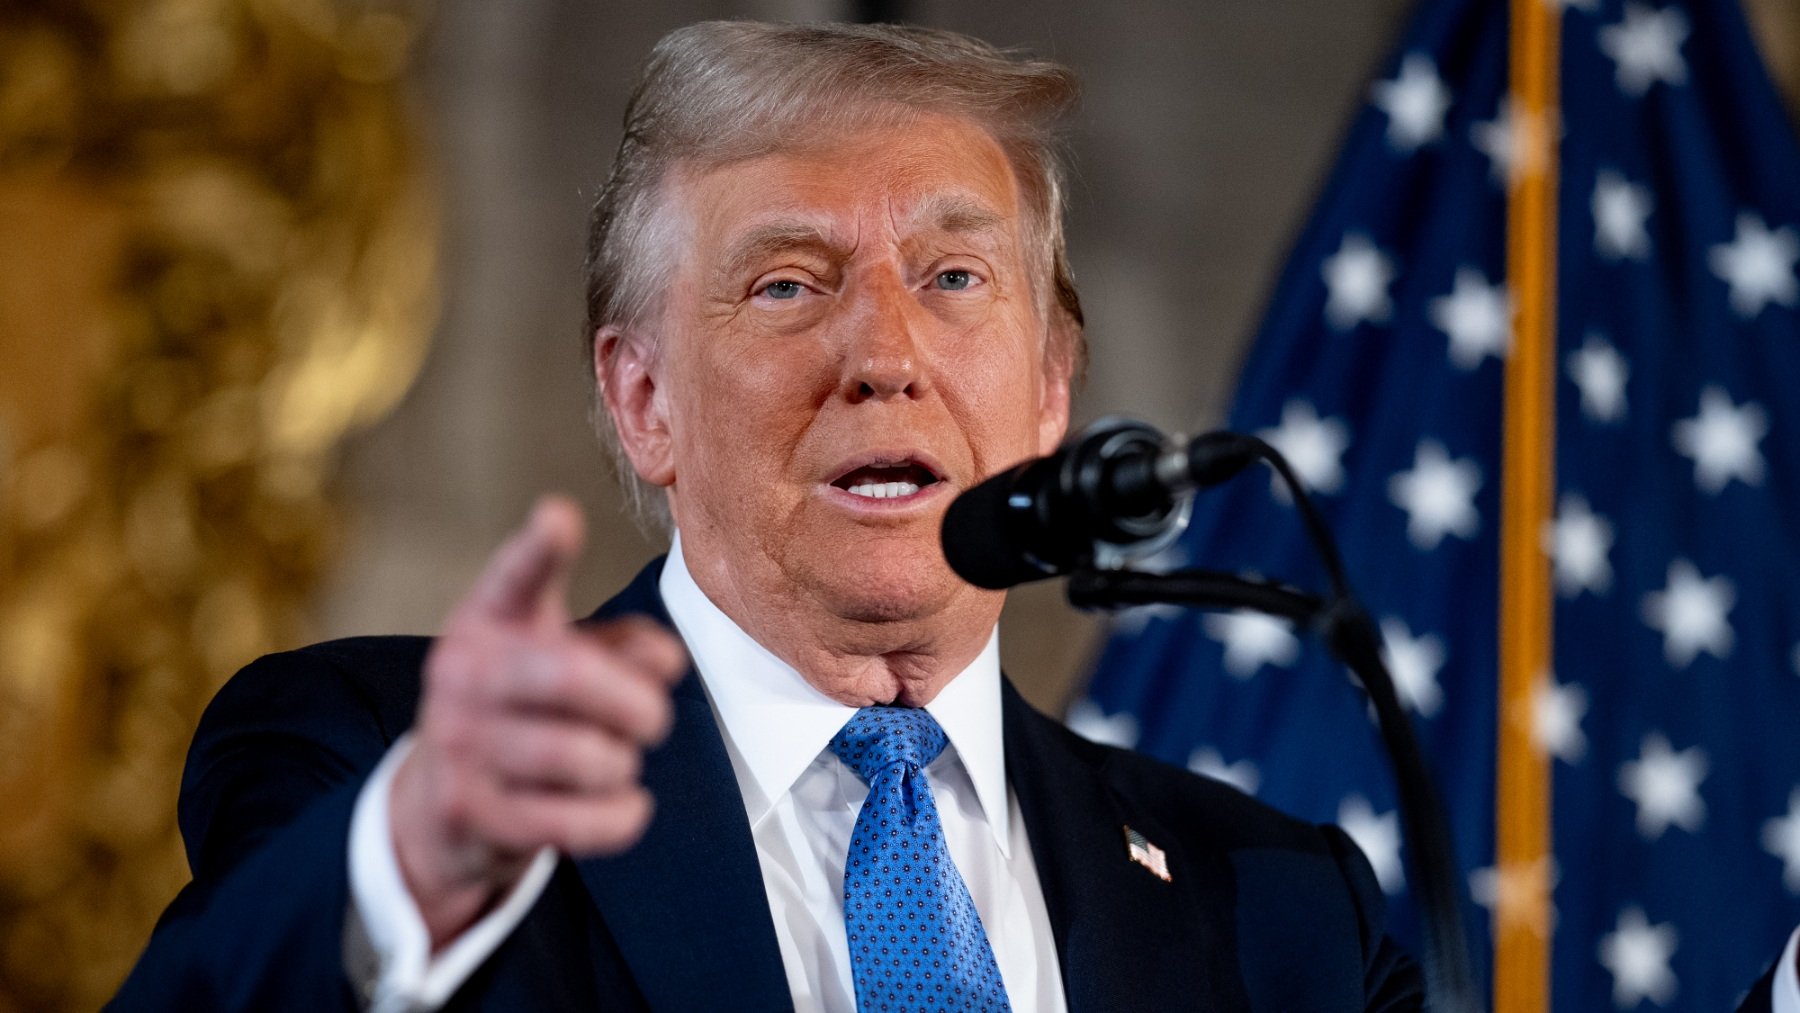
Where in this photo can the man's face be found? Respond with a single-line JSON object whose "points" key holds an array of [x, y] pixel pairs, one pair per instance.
{"points": [[851, 338]]}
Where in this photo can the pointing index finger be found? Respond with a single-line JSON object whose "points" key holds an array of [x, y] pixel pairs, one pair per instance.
{"points": [[531, 570]]}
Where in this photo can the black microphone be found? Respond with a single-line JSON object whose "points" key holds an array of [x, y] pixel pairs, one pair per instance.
{"points": [[1118, 483]]}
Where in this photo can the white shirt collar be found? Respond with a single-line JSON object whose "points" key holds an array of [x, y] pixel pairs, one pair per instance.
{"points": [[778, 723]]}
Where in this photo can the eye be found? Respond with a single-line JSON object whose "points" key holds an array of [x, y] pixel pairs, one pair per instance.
{"points": [[954, 281], [782, 290]]}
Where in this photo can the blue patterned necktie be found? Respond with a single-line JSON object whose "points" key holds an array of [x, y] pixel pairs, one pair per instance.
{"points": [[916, 941]]}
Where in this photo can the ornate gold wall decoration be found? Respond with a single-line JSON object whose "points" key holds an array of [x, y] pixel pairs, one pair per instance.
{"points": [[216, 259]]}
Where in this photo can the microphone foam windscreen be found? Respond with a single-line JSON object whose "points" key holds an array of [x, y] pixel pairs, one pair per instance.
{"points": [[978, 542]]}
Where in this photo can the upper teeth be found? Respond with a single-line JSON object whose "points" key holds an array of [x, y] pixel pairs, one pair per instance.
{"points": [[884, 490]]}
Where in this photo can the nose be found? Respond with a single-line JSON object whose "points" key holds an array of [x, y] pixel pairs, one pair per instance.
{"points": [[883, 355]]}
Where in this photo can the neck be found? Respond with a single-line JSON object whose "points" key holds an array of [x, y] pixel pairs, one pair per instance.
{"points": [[859, 656]]}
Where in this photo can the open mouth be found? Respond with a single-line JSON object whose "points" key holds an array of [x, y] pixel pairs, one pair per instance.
{"points": [[895, 480]]}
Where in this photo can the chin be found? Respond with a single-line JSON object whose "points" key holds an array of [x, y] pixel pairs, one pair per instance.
{"points": [[886, 583]]}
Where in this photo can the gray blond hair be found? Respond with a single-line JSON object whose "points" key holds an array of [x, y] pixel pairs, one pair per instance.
{"points": [[723, 91]]}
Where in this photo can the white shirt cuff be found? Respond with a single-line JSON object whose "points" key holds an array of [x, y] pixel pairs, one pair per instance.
{"points": [[395, 971], [1785, 993]]}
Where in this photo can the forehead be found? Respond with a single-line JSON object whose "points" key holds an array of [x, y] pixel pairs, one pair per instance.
{"points": [[929, 172]]}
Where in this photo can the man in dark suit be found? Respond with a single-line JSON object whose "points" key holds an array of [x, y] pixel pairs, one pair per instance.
{"points": [[827, 292]]}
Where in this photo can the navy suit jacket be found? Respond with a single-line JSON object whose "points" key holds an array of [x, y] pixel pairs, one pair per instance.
{"points": [[1262, 913]]}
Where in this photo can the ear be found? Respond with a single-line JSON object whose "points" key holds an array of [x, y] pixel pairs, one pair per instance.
{"points": [[1053, 406], [626, 376]]}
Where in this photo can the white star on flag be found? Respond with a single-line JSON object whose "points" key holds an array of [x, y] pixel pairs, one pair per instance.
{"points": [[1378, 836], [1515, 141], [1690, 613], [1637, 954], [1357, 277], [1579, 541], [1722, 441], [1555, 713], [1666, 787], [1781, 838], [1621, 209], [1252, 639], [1647, 48], [1599, 372], [1477, 318], [1438, 495], [1242, 775], [1758, 264], [1414, 663], [1087, 720], [1518, 894], [1415, 103], [1313, 446]]}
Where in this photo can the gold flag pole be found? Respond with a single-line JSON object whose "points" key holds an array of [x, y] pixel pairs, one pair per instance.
{"points": [[1522, 798]]}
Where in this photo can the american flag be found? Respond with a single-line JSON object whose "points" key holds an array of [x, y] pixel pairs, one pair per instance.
{"points": [[1146, 854], [1671, 711]]}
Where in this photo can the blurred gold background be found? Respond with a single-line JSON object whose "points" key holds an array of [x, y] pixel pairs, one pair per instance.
{"points": [[227, 228], [216, 259]]}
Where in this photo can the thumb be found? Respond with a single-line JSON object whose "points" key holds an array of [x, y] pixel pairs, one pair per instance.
{"points": [[530, 571]]}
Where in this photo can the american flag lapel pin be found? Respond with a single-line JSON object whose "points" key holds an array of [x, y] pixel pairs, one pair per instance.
{"points": [[1147, 855]]}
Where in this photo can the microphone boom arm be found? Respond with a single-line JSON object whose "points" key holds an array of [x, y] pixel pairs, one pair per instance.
{"points": [[1205, 589]]}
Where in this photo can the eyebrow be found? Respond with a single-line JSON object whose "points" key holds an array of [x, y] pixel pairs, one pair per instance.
{"points": [[774, 238], [951, 213], [957, 214]]}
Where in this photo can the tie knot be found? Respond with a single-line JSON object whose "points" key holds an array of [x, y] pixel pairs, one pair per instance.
{"points": [[879, 737]]}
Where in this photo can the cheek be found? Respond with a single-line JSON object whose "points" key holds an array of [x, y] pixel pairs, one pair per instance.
{"points": [[999, 423], [993, 385], [747, 412]]}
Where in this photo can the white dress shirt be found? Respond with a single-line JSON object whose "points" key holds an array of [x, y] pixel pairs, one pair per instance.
{"points": [[801, 802]]}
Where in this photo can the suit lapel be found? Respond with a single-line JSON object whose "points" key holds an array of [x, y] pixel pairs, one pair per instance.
{"points": [[687, 904], [1125, 938]]}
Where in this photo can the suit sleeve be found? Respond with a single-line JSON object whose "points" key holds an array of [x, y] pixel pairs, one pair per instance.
{"points": [[266, 802], [1391, 978]]}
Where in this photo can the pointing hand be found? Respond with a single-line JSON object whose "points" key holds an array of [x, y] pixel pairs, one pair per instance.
{"points": [[531, 732]]}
